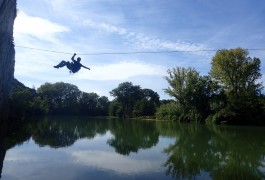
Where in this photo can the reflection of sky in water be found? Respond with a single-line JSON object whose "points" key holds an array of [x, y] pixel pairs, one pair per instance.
{"points": [[86, 159], [115, 162]]}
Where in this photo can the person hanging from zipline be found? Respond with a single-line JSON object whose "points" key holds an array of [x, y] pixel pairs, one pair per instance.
{"points": [[74, 66]]}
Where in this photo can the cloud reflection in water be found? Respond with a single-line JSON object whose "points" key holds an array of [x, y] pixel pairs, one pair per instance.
{"points": [[115, 162]]}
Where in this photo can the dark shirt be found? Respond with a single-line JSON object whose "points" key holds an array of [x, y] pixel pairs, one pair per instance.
{"points": [[76, 66]]}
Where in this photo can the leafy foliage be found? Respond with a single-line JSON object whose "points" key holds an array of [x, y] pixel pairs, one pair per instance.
{"points": [[25, 102], [62, 97], [131, 100], [57, 98], [231, 94], [236, 73], [191, 91], [169, 111], [127, 95], [91, 104]]}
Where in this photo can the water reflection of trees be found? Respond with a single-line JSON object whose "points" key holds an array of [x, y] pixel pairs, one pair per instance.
{"points": [[130, 136], [223, 153], [53, 131], [220, 152], [64, 131]]}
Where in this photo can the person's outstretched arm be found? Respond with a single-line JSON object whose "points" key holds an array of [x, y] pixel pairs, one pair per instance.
{"points": [[85, 67], [73, 58]]}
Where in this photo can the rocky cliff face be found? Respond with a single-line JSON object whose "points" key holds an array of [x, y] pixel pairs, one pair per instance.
{"points": [[7, 53]]}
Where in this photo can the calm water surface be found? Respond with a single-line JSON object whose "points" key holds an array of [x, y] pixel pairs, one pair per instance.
{"points": [[97, 148]]}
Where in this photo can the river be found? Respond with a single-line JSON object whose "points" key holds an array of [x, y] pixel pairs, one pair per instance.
{"points": [[61, 147]]}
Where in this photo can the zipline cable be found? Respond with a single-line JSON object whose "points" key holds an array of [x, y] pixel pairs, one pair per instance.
{"points": [[135, 52], [38, 49]]}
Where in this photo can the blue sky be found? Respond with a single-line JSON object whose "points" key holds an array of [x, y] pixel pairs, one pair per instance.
{"points": [[118, 26]]}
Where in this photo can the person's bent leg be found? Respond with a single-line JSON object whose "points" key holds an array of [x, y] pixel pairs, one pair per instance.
{"points": [[61, 64]]}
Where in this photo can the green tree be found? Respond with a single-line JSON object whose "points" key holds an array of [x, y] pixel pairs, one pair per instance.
{"points": [[24, 103], [62, 97], [39, 106], [88, 103], [116, 109], [236, 73], [169, 111], [191, 91], [131, 100], [151, 96], [48, 92], [20, 103], [147, 105], [127, 95], [103, 105]]}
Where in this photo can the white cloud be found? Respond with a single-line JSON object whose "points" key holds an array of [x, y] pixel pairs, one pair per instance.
{"points": [[40, 33], [143, 41], [115, 162], [37, 27], [121, 71], [113, 29]]}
